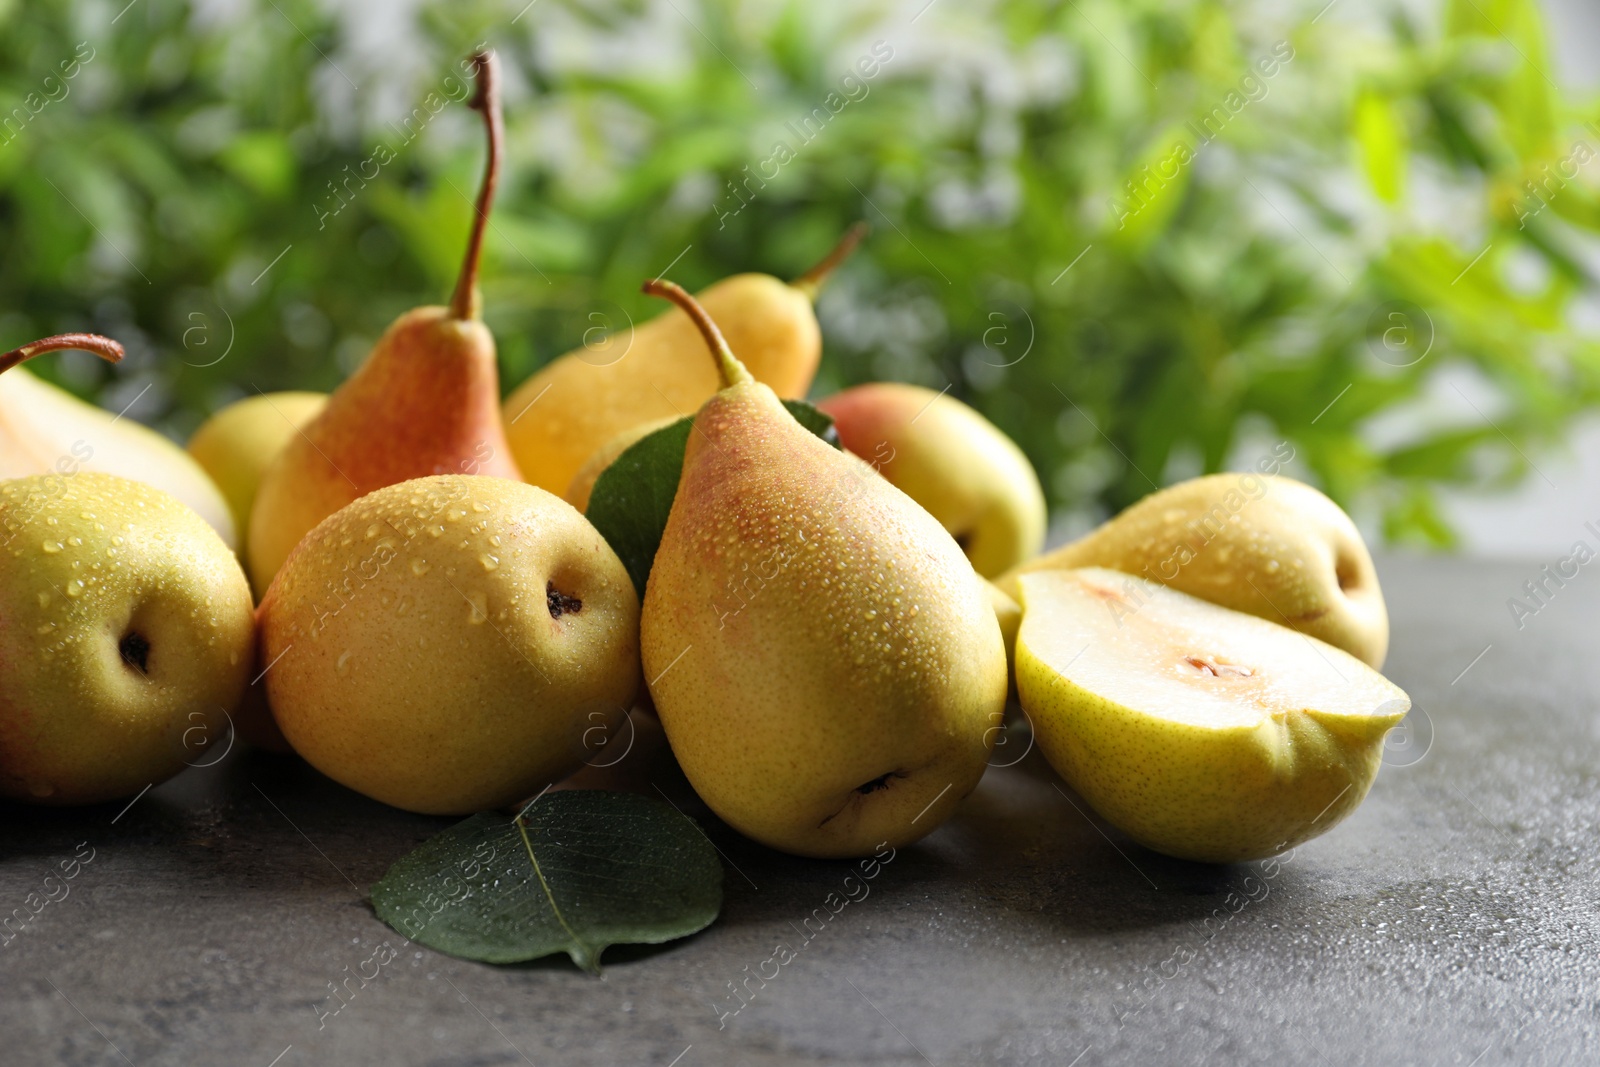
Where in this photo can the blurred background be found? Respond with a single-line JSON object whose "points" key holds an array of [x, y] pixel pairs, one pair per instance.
{"points": [[1148, 238]]}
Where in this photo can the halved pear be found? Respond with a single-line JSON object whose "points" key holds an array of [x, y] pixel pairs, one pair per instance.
{"points": [[1200, 732]]}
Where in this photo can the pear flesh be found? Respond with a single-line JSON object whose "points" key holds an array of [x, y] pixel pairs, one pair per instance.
{"points": [[1200, 732], [824, 660], [450, 644], [127, 637], [1263, 544]]}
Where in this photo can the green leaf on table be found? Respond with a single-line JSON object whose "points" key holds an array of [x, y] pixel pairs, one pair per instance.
{"points": [[632, 498], [576, 871]]}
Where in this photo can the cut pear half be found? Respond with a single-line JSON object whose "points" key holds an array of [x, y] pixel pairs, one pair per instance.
{"points": [[1200, 732]]}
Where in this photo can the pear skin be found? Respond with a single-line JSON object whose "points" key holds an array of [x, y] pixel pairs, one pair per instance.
{"points": [[582, 483], [426, 401], [1202, 733], [1008, 613], [450, 644], [127, 637], [574, 405], [825, 662], [951, 460], [1266, 545], [236, 445], [44, 429]]}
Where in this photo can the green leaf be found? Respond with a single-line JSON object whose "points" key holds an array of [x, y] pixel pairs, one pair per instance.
{"points": [[632, 498], [262, 160], [1154, 186], [1381, 141], [576, 871]]}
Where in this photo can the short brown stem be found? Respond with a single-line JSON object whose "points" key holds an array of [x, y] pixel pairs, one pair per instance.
{"points": [[104, 347], [729, 369], [464, 302], [811, 282]]}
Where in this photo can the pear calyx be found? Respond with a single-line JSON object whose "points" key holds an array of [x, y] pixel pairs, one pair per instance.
{"points": [[812, 281], [465, 302], [729, 369], [104, 347]]}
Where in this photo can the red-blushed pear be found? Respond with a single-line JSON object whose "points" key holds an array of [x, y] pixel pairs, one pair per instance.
{"points": [[46, 430], [823, 658], [426, 401], [951, 460]]}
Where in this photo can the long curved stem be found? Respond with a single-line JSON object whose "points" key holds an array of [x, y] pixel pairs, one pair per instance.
{"points": [[464, 303], [104, 347], [729, 369], [811, 282]]}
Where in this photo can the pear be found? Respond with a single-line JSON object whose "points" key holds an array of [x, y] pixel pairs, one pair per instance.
{"points": [[582, 483], [450, 644], [237, 444], [426, 401], [578, 402], [44, 429], [1200, 732], [127, 636], [823, 658], [1008, 613], [1262, 544], [951, 460]]}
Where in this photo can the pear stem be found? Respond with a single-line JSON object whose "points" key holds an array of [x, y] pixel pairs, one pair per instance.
{"points": [[811, 282], [104, 347], [729, 369], [465, 303]]}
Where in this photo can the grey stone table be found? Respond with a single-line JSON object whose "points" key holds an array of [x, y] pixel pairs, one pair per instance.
{"points": [[1452, 920]]}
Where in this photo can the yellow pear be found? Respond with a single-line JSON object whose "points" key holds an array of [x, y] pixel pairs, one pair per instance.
{"points": [[823, 658], [426, 401], [1008, 613], [237, 444], [582, 483], [44, 429], [1201, 732], [1265, 545], [571, 407], [449, 644], [951, 460], [127, 636]]}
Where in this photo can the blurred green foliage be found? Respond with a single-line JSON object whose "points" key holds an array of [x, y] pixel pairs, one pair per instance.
{"points": [[1335, 233]]}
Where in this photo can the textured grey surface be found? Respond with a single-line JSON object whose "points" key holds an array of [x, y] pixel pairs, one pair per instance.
{"points": [[1452, 920]]}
